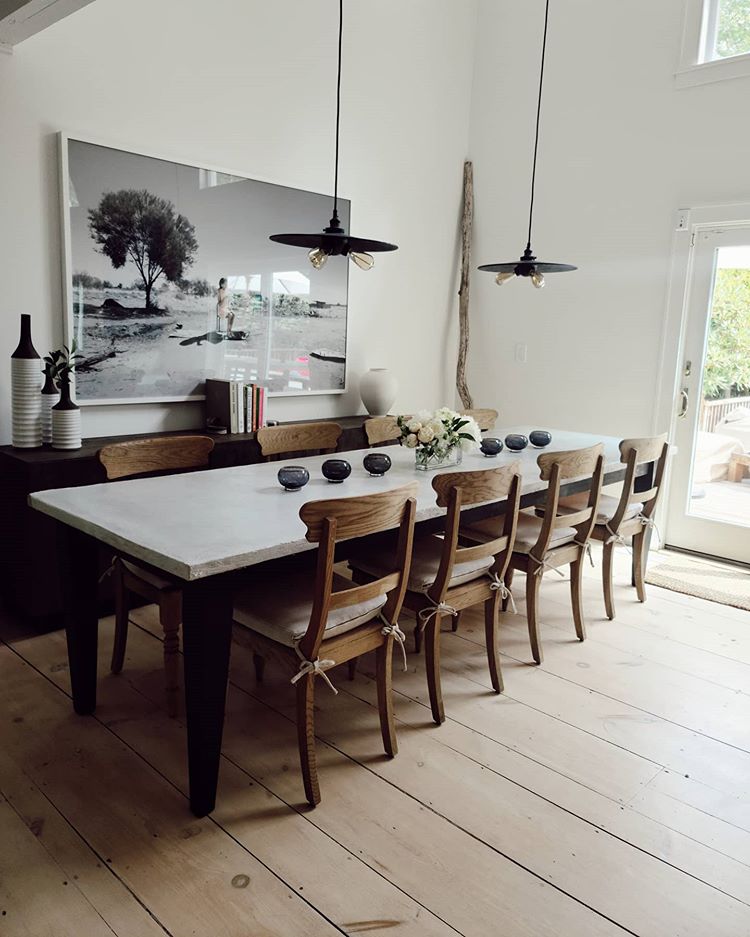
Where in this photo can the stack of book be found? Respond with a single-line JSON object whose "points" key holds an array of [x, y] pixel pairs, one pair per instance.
{"points": [[235, 405], [254, 401]]}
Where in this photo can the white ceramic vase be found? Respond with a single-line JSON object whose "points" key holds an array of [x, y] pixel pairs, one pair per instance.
{"points": [[48, 402], [66, 421], [66, 429], [26, 383], [378, 389], [50, 396]]}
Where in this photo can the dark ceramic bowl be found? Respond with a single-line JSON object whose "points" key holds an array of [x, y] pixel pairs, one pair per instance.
{"points": [[516, 442], [336, 470], [491, 446], [377, 463], [539, 438], [293, 477]]}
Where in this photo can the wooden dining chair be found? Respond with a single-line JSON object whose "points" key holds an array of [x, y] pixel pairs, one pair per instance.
{"points": [[485, 418], [554, 539], [447, 577], [128, 460], [296, 439], [630, 515], [311, 620], [382, 430]]}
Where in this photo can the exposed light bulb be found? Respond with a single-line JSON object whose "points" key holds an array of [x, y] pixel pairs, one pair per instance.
{"points": [[538, 280], [504, 277], [318, 258], [362, 260]]}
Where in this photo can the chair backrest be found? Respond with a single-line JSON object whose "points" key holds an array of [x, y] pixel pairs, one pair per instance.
{"points": [[485, 418], [457, 490], [329, 522], [382, 430], [163, 454], [635, 452], [297, 439], [556, 467]]}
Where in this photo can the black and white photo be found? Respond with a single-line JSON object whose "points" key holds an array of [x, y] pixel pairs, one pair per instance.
{"points": [[172, 279]]}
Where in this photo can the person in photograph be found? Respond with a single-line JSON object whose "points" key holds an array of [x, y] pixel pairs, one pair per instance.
{"points": [[224, 316]]}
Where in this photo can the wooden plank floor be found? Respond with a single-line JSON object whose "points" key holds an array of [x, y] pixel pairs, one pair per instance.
{"points": [[605, 793]]}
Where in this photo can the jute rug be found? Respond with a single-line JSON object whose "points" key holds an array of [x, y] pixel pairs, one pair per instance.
{"points": [[728, 585]]}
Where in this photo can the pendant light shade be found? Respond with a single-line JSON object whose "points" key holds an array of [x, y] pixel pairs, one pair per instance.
{"points": [[333, 241], [527, 265]]}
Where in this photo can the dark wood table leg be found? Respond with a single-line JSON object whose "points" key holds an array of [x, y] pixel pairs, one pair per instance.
{"points": [[643, 483], [207, 635], [79, 566]]}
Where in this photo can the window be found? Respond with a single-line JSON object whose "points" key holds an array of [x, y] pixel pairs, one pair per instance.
{"points": [[716, 42], [726, 30]]}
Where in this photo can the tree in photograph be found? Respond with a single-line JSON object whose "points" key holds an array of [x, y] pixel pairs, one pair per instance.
{"points": [[727, 371], [135, 225]]}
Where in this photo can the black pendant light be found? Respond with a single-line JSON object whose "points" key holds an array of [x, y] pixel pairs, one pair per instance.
{"points": [[528, 265], [333, 241]]}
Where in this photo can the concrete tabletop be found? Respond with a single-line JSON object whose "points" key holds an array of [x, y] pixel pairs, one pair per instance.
{"points": [[203, 523]]}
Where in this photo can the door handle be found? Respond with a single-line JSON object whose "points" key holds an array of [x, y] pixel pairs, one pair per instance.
{"points": [[684, 403]]}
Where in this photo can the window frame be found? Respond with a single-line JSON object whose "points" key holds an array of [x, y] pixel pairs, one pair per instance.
{"points": [[699, 36]]}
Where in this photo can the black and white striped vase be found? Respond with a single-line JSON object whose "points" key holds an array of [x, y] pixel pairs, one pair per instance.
{"points": [[26, 381], [66, 421], [50, 396]]}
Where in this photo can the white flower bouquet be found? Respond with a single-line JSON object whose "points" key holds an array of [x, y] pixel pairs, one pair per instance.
{"points": [[438, 438]]}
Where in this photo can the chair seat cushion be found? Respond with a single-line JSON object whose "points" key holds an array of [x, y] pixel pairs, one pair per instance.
{"points": [[425, 561], [279, 607], [607, 507], [527, 532], [153, 579]]}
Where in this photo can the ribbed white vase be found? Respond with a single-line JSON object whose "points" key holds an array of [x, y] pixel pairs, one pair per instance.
{"points": [[25, 384], [26, 407], [378, 389], [66, 421], [66, 429], [48, 402]]}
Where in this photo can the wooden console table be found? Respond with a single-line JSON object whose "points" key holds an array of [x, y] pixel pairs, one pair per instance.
{"points": [[29, 576]]}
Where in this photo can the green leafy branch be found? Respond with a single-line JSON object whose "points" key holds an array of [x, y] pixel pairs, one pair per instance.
{"points": [[61, 363]]}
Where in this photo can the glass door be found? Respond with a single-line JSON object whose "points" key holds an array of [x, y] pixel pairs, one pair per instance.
{"points": [[709, 500]]}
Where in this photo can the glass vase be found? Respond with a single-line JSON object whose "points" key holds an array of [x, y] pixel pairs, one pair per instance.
{"points": [[425, 461]]}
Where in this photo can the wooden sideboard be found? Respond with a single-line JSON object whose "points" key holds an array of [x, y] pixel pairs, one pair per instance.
{"points": [[29, 576]]}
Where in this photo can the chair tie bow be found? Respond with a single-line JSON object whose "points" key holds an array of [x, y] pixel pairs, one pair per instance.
{"points": [[618, 538], [542, 565], [398, 635], [587, 550], [650, 522], [441, 608], [615, 537], [497, 585], [108, 571], [315, 667]]}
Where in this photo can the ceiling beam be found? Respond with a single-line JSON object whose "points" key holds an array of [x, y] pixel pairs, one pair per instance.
{"points": [[20, 19]]}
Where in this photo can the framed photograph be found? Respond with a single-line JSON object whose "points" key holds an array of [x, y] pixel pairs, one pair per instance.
{"points": [[170, 278]]}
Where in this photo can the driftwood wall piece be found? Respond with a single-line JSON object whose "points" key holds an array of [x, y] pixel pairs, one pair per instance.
{"points": [[463, 291]]}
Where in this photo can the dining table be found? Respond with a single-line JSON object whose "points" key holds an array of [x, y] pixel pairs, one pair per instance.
{"points": [[208, 529]]}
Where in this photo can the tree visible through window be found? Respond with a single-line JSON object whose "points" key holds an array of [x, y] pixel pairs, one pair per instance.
{"points": [[728, 31], [727, 368]]}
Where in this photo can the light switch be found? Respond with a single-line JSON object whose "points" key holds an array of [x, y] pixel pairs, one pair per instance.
{"points": [[521, 352]]}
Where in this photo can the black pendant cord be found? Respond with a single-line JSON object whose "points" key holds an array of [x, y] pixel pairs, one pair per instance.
{"points": [[338, 114], [538, 116], [528, 265], [333, 240]]}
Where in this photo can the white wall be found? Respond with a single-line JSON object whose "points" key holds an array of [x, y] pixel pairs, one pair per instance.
{"points": [[248, 86], [621, 150]]}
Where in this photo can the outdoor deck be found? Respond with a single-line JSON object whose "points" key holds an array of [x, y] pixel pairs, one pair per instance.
{"points": [[724, 501]]}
